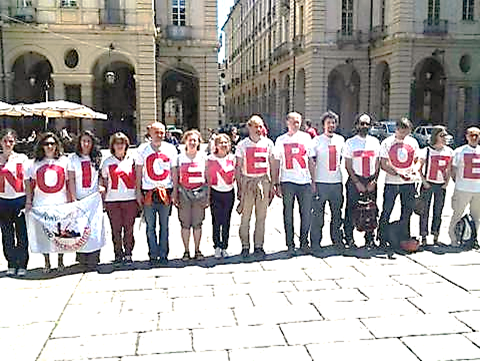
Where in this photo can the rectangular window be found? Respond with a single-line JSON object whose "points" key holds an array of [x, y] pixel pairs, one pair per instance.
{"points": [[433, 11], [347, 17], [178, 13], [382, 14], [68, 3], [24, 3], [468, 9], [73, 93]]}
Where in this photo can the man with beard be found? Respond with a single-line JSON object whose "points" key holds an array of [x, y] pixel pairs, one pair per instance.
{"points": [[362, 163]]}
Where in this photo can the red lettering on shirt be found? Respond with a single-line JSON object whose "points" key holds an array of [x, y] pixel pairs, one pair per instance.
{"points": [[470, 166], [151, 171], [188, 171], [86, 174], [253, 156], [127, 178], [366, 156], [60, 183], [332, 158], [215, 169], [393, 155], [298, 155], [438, 164], [15, 181]]}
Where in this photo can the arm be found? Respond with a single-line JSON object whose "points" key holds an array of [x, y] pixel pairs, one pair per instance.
{"points": [[238, 176], [29, 195], [274, 175], [175, 186], [453, 173], [351, 173], [448, 174], [138, 184], [72, 187], [312, 166]]}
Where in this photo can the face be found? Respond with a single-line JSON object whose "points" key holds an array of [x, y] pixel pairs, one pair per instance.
{"points": [[119, 147], [8, 142], [256, 129], [294, 123], [223, 146], [364, 125], [442, 138], [50, 147], [473, 138], [193, 142], [86, 144], [329, 126], [401, 133], [157, 133]]}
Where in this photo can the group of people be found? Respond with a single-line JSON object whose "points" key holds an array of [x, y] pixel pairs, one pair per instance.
{"points": [[296, 167]]}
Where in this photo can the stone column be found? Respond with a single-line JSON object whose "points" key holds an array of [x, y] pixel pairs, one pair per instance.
{"points": [[400, 80], [452, 98]]}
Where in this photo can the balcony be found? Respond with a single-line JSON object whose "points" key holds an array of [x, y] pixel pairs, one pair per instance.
{"points": [[112, 16], [285, 6], [345, 37], [178, 33], [378, 32], [281, 51], [298, 44], [263, 65], [435, 27], [27, 14]]}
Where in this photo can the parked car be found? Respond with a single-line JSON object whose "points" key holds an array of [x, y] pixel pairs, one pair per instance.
{"points": [[422, 135], [383, 129]]}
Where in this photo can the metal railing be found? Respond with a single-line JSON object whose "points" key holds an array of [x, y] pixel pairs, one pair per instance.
{"points": [[178, 33], [348, 37], [281, 51], [298, 43], [27, 14], [111, 16], [378, 32], [435, 26]]}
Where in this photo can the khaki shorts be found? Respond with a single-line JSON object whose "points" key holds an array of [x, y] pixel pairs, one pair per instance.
{"points": [[191, 214]]}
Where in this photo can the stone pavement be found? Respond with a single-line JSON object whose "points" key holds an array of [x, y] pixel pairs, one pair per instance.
{"points": [[354, 306]]}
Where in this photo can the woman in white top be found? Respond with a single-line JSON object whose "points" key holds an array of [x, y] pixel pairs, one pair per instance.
{"points": [[118, 177], [221, 176], [49, 159], [435, 170], [12, 202], [83, 174]]}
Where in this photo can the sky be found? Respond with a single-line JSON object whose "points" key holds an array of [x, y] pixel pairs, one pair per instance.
{"points": [[223, 11]]}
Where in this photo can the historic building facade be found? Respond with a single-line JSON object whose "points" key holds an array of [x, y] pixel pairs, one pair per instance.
{"points": [[389, 57]]}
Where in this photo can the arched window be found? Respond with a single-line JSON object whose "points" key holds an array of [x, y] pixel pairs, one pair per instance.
{"points": [[347, 17], [178, 13]]}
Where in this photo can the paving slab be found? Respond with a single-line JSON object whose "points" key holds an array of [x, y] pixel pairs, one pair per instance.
{"points": [[261, 298], [270, 276], [388, 292], [188, 319], [243, 289], [182, 356], [462, 276], [332, 273], [205, 303], [442, 347], [317, 285], [297, 353], [446, 303], [401, 326], [471, 319], [368, 350], [362, 281], [165, 342], [345, 295], [248, 316], [229, 338], [325, 331]]}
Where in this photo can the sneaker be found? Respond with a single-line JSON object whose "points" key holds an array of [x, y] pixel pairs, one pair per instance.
{"points": [[424, 241], [118, 260], [163, 261], [218, 252], [245, 252], [22, 272], [186, 256], [291, 250], [198, 255], [128, 259], [224, 253], [305, 249], [11, 272], [259, 253]]}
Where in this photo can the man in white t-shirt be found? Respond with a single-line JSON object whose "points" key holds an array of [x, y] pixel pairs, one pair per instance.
{"points": [[154, 186], [325, 169], [292, 151], [362, 162], [466, 174], [253, 173], [398, 155]]}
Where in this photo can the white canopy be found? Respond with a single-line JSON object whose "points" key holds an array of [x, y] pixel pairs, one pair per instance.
{"points": [[63, 109]]}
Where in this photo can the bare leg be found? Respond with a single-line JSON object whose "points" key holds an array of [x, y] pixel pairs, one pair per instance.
{"points": [[197, 237], [61, 266], [47, 267], [186, 238]]}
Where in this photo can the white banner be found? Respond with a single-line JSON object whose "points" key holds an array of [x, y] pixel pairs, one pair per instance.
{"points": [[69, 227]]}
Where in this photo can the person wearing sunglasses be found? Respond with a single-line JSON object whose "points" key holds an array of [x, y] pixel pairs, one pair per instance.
{"points": [[362, 162], [47, 184], [435, 167], [12, 201], [466, 175]]}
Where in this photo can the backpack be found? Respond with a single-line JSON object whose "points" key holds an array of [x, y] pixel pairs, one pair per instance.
{"points": [[466, 232], [365, 215]]}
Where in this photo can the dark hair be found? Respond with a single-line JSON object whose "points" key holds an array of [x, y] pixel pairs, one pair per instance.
{"points": [[328, 115], [436, 130], [116, 137], [404, 123], [39, 152], [95, 154], [308, 123], [8, 131], [360, 116]]}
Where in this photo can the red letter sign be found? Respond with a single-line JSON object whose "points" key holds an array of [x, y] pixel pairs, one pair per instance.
{"points": [[41, 178], [332, 158], [15, 182], [215, 169], [86, 174], [471, 163], [295, 151], [393, 155], [127, 178], [186, 174], [438, 164], [252, 158], [366, 156], [149, 165]]}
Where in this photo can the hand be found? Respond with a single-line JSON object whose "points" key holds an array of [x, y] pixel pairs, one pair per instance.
{"points": [[278, 190], [102, 190], [140, 199], [360, 187], [445, 186], [314, 188], [28, 207], [426, 185], [174, 198], [371, 187]]}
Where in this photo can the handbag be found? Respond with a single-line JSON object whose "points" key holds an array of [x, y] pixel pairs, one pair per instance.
{"points": [[420, 206], [199, 194]]}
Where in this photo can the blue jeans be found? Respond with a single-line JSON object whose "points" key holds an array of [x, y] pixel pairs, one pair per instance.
{"points": [[14, 232], [157, 248], [438, 193], [221, 206], [407, 199], [333, 193], [303, 194]]}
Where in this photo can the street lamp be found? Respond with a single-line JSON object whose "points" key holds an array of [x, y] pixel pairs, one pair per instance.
{"points": [[110, 76], [33, 81]]}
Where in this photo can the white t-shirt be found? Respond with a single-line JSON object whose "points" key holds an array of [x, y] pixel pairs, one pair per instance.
{"points": [[221, 172], [328, 152], [255, 156], [438, 163], [466, 160], [86, 176], [50, 181], [191, 172], [12, 175], [293, 151], [157, 166], [402, 155], [120, 176], [364, 153]]}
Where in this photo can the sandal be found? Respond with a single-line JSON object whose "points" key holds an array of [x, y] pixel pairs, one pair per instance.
{"points": [[186, 256], [198, 255], [47, 268], [61, 267]]}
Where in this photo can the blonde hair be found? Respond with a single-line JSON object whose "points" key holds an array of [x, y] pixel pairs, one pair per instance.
{"points": [[220, 137], [255, 120], [190, 132], [119, 136]]}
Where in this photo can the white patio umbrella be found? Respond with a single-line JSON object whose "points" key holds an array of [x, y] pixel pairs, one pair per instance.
{"points": [[62, 109], [17, 110]]}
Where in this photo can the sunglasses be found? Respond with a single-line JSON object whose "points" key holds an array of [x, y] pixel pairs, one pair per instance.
{"points": [[365, 124], [49, 143], [443, 135]]}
